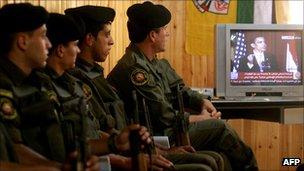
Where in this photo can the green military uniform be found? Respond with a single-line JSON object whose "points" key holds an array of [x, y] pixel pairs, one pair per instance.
{"points": [[33, 119], [70, 91], [156, 81], [7, 152], [92, 75]]}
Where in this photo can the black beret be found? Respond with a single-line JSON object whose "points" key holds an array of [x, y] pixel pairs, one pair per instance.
{"points": [[148, 15], [22, 17], [62, 29], [92, 17]]}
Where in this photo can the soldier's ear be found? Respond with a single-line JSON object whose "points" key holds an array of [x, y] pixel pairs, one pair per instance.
{"points": [[22, 41], [252, 45], [60, 49], [152, 35], [89, 39]]}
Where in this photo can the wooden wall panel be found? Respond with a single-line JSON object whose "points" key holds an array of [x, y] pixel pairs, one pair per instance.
{"points": [[269, 141]]}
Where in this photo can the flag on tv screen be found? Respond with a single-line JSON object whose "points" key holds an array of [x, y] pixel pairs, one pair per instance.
{"points": [[240, 49], [291, 57]]}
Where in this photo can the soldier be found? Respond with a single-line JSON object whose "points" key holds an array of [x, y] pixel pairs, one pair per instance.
{"points": [[156, 80], [96, 23], [70, 89], [8, 157], [95, 47], [27, 111]]}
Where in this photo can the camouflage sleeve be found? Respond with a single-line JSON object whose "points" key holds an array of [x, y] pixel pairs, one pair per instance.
{"points": [[192, 99], [3, 148], [7, 152], [150, 89], [8, 115], [127, 76]]}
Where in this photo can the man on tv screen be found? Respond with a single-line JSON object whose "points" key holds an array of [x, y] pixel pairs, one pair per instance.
{"points": [[258, 60]]}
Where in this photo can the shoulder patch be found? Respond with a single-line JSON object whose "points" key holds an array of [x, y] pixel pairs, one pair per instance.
{"points": [[87, 91], [6, 93], [52, 96], [7, 111], [139, 77]]}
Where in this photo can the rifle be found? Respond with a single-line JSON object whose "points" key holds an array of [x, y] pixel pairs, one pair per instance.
{"points": [[138, 155], [181, 127], [151, 147], [76, 140], [82, 148]]}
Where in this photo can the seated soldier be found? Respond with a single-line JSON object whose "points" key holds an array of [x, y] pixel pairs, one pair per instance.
{"points": [[8, 157], [27, 113], [157, 82], [70, 90], [95, 46]]}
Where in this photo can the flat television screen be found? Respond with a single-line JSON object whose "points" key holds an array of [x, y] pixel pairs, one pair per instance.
{"points": [[259, 60]]}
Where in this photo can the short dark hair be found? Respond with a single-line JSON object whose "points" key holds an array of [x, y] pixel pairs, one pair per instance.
{"points": [[94, 30]]}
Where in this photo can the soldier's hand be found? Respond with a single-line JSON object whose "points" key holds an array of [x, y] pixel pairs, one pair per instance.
{"points": [[67, 165], [188, 148], [122, 140], [216, 115], [120, 162], [93, 164], [159, 162], [182, 149], [207, 107]]}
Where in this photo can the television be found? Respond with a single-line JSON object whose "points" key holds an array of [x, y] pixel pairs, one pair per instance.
{"points": [[259, 60]]}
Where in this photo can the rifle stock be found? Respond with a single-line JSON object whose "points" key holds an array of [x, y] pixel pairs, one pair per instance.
{"points": [[82, 137], [181, 128], [138, 156], [76, 140]]}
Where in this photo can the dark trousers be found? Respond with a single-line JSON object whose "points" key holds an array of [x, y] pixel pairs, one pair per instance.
{"points": [[201, 160], [217, 135]]}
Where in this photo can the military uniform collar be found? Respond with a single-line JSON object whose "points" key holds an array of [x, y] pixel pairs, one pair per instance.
{"points": [[16, 75], [50, 72], [65, 77], [134, 48], [81, 63], [65, 80], [152, 65]]}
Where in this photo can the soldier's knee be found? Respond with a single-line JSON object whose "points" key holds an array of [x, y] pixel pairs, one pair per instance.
{"points": [[212, 125], [193, 167], [218, 159]]}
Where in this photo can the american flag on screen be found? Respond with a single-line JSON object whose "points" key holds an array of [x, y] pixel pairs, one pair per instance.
{"points": [[240, 50]]}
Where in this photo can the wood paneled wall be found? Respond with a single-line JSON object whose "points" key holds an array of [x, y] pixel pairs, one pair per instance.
{"points": [[270, 141]]}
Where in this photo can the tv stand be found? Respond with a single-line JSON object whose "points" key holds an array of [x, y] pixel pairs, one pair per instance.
{"points": [[282, 111], [276, 94]]}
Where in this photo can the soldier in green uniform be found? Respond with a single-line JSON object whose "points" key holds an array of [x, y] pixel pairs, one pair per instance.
{"points": [[95, 47], [140, 69], [93, 19], [8, 157], [28, 110], [70, 89]]}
